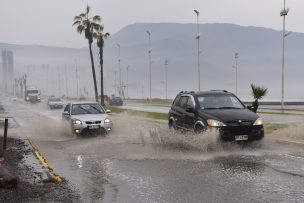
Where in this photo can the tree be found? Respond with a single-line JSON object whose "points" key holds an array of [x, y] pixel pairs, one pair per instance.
{"points": [[86, 24], [100, 36], [257, 93]]}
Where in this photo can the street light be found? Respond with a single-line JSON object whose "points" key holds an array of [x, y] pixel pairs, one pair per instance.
{"points": [[127, 81], [236, 56], [119, 91], [198, 51], [166, 71], [150, 61], [283, 13]]}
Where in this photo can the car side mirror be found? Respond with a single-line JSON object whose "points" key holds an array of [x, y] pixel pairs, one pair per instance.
{"points": [[65, 113], [108, 111], [190, 109], [251, 108]]}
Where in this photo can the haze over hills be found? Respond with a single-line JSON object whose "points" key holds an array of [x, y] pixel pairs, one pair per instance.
{"points": [[259, 60]]}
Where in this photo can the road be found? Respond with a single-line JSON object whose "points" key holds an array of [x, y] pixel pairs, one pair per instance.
{"points": [[141, 161]]}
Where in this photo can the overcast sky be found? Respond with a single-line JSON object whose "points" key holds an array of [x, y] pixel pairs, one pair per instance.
{"points": [[49, 22]]}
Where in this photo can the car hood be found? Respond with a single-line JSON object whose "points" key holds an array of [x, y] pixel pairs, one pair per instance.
{"points": [[225, 115], [90, 117]]}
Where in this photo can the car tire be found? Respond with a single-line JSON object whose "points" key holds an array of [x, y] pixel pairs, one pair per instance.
{"points": [[199, 129], [172, 125]]}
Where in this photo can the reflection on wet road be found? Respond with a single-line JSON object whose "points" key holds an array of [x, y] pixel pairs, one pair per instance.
{"points": [[141, 161]]}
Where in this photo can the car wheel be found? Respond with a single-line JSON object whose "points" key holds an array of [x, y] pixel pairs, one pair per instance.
{"points": [[199, 129], [172, 125]]}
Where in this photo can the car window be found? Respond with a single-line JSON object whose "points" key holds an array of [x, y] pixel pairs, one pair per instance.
{"points": [[183, 102], [190, 102], [67, 108], [219, 102], [86, 109], [176, 100]]}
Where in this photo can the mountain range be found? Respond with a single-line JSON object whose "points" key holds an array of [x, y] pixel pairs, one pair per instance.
{"points": [[259, 62]]}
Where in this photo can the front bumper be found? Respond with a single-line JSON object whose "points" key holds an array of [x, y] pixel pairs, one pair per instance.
{"points": [[84, 128], [254, 132]]}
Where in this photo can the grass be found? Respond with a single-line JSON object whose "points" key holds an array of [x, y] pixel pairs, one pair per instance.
{"points": [[153, 115], [271, 127]]}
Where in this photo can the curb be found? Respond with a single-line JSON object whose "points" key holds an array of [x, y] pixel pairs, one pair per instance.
{"points": [[57, 178], [291, 142]]}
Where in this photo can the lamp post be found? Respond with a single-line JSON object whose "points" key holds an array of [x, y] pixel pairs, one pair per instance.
{"points": [[127, 81], [166, 72], [236, 56], [198, 51], [119, 90], [150, 62], [283, 13]]}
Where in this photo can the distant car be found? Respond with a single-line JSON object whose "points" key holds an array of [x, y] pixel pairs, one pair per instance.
{"points": [[198, 111], [87, 118], [116, 101], [55, 103]]}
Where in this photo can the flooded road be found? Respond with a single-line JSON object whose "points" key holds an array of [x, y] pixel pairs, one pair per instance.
{"points": [[142, 161]]}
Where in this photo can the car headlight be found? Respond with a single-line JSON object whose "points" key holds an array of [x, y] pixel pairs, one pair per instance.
{"points": [[215, 123], [27, 98], [107, 120], [258, 122], [78, 122]]}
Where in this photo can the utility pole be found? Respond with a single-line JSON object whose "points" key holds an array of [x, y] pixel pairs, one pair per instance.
{"points": [[119, 69], [77, 85], [127, 82], [150, 63], [236, 56], [198, 51], [66, 81], [283, 13], [166, 72]]}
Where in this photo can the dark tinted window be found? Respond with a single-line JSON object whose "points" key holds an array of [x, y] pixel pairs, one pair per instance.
{"points": [[176, 100], [190, 102], [67, 108], [183, 101]]}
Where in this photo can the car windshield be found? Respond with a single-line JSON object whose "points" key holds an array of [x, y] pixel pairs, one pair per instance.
{"points": [[219, 102], [86, 109], [32, 91]]}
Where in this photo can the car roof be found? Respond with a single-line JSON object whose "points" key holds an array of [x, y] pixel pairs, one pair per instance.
{"points": [[84, 102], [211, 92]]}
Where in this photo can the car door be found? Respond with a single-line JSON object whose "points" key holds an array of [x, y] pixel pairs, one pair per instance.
{"points": [[189, 113], [181, 110]]}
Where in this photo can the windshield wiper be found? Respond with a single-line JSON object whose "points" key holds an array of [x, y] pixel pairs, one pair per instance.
{"points": [[209, 108]]}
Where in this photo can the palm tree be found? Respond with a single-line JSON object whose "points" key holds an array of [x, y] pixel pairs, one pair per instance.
{"points": [[257, 93], [100, 36], [86, 24]]}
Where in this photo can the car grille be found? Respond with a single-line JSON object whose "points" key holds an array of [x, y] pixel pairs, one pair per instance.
{"points": [[239, 123], [93, 122]]}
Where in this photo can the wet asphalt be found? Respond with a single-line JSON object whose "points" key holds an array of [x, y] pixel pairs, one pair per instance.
{"points": [[128, 166]]}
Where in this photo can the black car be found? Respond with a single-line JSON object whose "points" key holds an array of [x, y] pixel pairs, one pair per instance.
{"points": [[197, 111], [116, 101]]}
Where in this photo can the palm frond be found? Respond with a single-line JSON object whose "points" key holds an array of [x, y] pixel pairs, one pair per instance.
{"points": [[106, 35], [77, 22], [77, 18], [80, 28], [96, 18], [83, 15], [258, 92], [88, 10]]}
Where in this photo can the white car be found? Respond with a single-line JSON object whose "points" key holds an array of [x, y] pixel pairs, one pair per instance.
{"points": [[55, 103], [87, 118]]}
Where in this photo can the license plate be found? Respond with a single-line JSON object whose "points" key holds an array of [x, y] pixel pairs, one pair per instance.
{"points": [[241, 137], [93, 126]]}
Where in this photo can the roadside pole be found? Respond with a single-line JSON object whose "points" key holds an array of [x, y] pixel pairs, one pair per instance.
{"points": [[5, 134]]}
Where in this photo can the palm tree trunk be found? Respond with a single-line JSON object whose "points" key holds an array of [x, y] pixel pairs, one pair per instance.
{"points": [[101, 75], [93, 73]]}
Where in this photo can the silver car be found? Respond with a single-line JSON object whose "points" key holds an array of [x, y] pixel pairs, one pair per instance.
{"points": [[87, 118]]}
